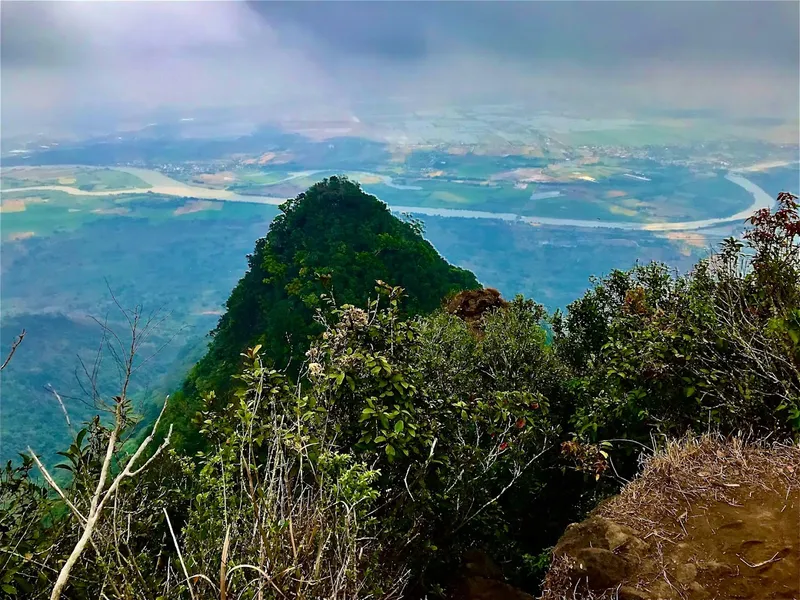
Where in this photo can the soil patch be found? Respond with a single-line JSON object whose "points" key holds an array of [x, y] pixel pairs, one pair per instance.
{"points": [[221, 179], [368, 178], [119, 211], [266, 157], [745, 548], [527, 175], [194, 206], [686, 241], [621, 210], [12, 206], [22, 235], [690, 238]]}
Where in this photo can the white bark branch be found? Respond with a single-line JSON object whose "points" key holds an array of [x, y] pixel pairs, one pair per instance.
{"points": [[101, 494]]}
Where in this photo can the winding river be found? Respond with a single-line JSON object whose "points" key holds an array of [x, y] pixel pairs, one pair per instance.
{"points": [[161, 184]]}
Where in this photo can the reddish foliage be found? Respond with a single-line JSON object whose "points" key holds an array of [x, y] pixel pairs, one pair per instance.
{"points": [[471, 305], [587, 457], [775, 238], [781, 226], [635, 302]]}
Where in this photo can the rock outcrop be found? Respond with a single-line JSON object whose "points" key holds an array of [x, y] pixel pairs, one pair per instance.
{"points": [[600, 552]]}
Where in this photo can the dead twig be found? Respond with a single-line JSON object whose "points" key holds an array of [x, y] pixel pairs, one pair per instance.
{"points": [[14, 347], [775, 558], [180, 556], [61, 404]]}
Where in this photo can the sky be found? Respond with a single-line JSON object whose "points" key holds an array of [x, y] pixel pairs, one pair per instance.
{"points": [[94, 60]]}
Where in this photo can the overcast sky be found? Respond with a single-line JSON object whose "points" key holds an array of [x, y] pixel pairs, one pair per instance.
{"points": [[93, 58]]}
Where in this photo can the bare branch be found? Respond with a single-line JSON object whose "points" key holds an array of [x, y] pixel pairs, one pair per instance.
{"points": [[14, 347], [61, 404], [102, 494], [55, 486], [180, 556], [505, 489]]}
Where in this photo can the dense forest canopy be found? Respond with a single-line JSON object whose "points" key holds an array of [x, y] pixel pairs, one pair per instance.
{"points": [[359, 423]]}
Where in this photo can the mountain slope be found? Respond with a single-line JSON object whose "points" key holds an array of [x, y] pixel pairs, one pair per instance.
{"points": [[332, 239]]}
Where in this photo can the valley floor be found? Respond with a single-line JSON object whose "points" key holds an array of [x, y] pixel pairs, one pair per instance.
{"points": [[161, 184]]}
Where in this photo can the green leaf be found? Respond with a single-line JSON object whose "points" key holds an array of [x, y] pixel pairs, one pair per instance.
{"points": [[80, 436], [390, 452], [9, 589], [398, 427]]}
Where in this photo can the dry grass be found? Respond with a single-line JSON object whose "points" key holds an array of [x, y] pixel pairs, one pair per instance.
{"points": [[693, 504], [281, 525], [693, 473]]}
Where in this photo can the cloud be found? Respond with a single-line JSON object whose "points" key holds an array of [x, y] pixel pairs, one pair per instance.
{"points": [[62, 60], [607, 33], [740, 56], [68, 60]]}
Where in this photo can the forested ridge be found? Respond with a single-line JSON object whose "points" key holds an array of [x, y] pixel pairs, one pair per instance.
{"points": [[329, 245], [367, 416]]}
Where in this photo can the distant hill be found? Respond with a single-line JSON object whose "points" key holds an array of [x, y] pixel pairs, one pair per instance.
{"points": [[334, 239]]}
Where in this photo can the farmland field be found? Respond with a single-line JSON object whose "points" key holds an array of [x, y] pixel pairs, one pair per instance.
{"points": [[83, 178]]}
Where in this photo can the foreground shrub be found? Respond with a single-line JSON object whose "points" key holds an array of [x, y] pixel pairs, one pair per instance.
{"points": [[716, 349], [278, 511]]}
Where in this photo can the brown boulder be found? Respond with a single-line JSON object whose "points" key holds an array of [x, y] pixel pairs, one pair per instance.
{"points": [[597, 532], [601, 568], [599, 552]]}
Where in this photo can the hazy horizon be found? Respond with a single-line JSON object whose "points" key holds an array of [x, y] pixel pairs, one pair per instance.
{"points": [[95, 61]]}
